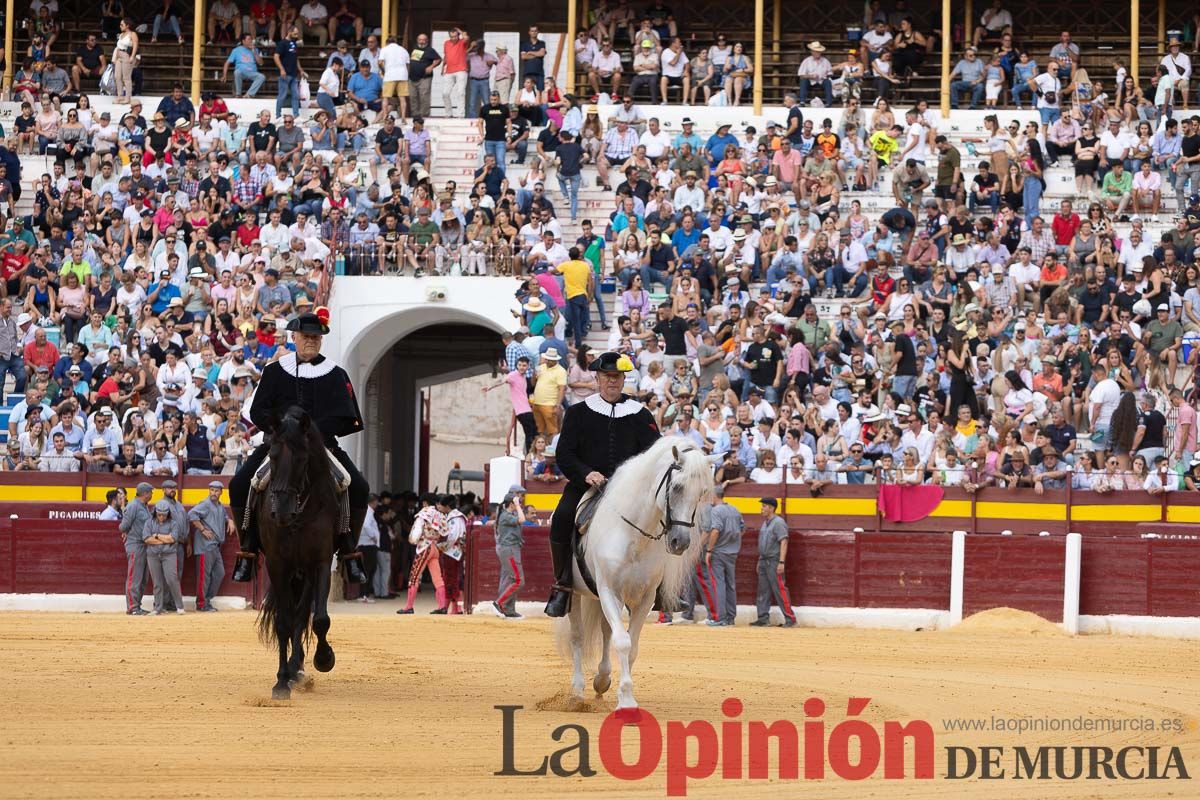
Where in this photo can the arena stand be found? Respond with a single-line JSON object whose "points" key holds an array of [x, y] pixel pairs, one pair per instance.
{"points": [[886, 566]]}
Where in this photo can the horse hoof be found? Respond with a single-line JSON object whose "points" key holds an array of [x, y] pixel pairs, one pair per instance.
{"points": [[281, 693], [629, 714], [297, 680], [324, 659], [601, 683]]}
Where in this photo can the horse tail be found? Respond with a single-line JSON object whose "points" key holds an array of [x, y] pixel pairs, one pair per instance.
{"points": [[291, 600], [267, 615], [591, 618]]}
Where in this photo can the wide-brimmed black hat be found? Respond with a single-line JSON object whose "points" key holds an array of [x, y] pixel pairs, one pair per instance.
{"points": [[313, 323], [611, 362]]}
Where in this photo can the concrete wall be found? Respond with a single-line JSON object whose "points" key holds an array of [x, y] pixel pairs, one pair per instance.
{"points": [[370, 315]]}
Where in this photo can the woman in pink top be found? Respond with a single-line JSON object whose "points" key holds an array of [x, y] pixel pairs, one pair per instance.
{"points": [[518, 394], [799, 362]]}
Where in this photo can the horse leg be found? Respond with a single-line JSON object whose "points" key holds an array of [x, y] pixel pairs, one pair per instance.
{"points": [[637, 618], [296, 662], [603, 678], [283, 636], [575, 617], [323, 658], [621, 642]]}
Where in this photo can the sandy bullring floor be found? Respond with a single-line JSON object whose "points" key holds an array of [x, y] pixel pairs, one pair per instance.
{"points": [[105, 706]]}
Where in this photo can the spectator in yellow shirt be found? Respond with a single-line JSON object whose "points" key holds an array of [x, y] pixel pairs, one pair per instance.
{"points": [[578, 288], [548, 391], [883, 144]]}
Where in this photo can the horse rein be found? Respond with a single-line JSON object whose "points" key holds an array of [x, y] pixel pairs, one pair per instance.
{"points": [[669, 520], [301, 493]]}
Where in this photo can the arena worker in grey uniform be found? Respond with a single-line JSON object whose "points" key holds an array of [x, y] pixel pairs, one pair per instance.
{"points": [[509, 541], [772, 560], [136, 515], [720, 556], [179, 520], [210, 525], [159, 537]]}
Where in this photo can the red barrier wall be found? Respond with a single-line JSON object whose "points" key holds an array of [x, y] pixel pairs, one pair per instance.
{"points": [[80, 557], [1017, 571], [823, 569]]}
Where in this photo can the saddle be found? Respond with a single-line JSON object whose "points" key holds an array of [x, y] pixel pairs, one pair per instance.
{"points": [[341, 477], [587, 508], [341, 483], [584, 512]]}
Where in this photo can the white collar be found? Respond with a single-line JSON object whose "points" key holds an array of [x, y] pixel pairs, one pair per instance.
{"points": [[625, 407], [306, 369]]}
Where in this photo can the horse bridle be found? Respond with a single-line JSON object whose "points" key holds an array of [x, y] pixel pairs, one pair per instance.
{"points": [[301, 493], [668, 521]]}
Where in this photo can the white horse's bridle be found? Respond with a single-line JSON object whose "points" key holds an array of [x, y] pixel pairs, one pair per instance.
{"points": [[667, 521]]}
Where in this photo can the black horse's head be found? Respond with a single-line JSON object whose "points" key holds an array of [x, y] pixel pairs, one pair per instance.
{"points": [[295, 442]]}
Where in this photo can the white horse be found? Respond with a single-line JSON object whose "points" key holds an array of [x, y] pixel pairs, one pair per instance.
{"points": [[636, 542]]}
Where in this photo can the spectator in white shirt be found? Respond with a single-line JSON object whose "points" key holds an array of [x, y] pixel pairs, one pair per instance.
{"points": [[814, 72], [1115, 145], [994, 23], [1179, 68], [674, 71], [57, 458], [161, 461], [656, 141], [606, 66], [875, 41], [394, 60], [585, 49]]}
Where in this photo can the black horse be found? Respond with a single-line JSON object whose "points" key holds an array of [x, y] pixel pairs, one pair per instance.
{"points": [[297, 517]]}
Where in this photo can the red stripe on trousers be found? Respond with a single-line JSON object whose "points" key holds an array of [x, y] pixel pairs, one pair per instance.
{"points": [[129, 584], [712, 608], [200, 583], [512, 564], [787, 601]]}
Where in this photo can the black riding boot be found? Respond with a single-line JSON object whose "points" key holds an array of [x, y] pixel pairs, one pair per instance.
{"points": [[347, 547], [560, 596], [247, 555]]}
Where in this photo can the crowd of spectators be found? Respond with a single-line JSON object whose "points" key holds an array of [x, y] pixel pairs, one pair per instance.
{"points": [[968, 339], [163, 256]]}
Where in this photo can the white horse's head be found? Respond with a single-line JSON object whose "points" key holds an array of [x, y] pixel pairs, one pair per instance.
{"points": [[672, 477], [688, 479]]}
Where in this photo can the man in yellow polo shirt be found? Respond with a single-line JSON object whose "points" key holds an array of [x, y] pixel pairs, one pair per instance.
{"points": [[579, 284], [548, 392]]}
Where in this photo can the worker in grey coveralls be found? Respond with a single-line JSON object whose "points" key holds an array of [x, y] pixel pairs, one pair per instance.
{"points": [[510, 517], [721, 547], [210, 525], [772, 562], [179, 517], [137, 514], [161, 547]]}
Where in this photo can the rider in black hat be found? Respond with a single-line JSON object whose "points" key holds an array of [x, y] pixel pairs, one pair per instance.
{"points": [[597, 436], [322, 388]]}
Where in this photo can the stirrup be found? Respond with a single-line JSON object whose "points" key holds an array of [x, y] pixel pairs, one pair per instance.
{"points": [[559, 603], [354, 569], [243, 569]]}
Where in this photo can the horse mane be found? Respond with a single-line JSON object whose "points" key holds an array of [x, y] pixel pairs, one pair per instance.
{"points": [[295, 431], [632, 485]]}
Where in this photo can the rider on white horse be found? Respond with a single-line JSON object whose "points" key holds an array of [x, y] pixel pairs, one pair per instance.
{"points": [[597, 436]]}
